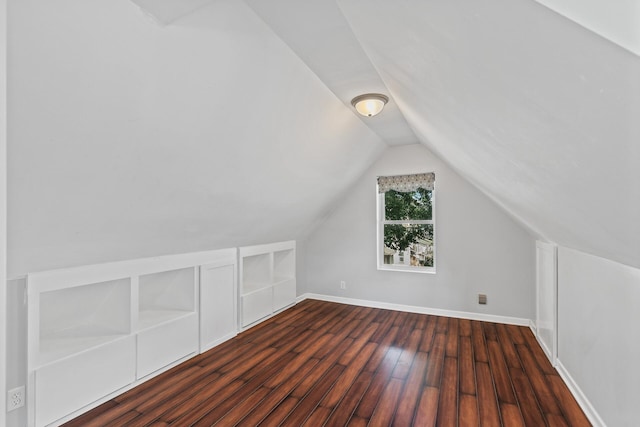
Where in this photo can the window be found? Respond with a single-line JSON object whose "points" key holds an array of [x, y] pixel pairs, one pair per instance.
{"points": [[405, 223]]}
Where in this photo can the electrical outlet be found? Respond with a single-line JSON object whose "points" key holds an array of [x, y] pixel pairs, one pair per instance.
{"points": [[482, 299], [343, 284], [15, 398]]}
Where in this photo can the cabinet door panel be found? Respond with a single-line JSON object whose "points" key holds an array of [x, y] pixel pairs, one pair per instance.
{"points": [[161, 345], [218, 300], [256, 305], [67, 385], [284, 294], [547, 294]]}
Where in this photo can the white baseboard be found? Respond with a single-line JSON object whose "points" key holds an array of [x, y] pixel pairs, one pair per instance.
{"points": [[532, 326], [547, 351], [582, 400], [420, 310]]}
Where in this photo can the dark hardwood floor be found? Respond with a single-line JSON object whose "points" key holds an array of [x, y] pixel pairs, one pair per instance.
{"points": [[327, 364]]}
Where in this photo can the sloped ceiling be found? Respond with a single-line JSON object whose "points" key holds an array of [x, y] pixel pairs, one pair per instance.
{"points": [[167, 11], [538, 112], [617, 21], [128, 139], [318, 32]]}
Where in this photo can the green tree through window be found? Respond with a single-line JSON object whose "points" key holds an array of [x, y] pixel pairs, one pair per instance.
{"points": [[407, 228]]}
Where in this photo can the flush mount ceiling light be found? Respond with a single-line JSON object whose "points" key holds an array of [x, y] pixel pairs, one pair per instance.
{"points": [[369, 104]]}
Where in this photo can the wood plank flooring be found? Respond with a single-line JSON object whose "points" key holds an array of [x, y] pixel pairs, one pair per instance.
{"points": [[327, 364]]}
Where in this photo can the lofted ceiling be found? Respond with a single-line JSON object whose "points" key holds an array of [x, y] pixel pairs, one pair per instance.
{"points": [[319, 33], [535, 110], [538, 112], [158, 139], [617, 21], [165, 12]]}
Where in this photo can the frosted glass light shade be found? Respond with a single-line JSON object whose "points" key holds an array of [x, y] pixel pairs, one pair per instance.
{"points": [[369, 104]]}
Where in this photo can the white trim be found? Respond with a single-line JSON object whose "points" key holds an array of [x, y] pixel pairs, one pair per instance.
{"points": [[408, 221], [532, 326], [550, 349], [247, 251], [380, 223], [407, 269], [580, 397], [547, 351], [69, 277], [420, 310]]}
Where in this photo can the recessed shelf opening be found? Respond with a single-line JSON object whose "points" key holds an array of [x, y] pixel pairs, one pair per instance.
{"points": [[284, 265], [82, 317], [165, 296], [256, 272]]}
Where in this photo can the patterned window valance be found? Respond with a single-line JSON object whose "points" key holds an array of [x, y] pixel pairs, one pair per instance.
{"points": [[406, 183]]}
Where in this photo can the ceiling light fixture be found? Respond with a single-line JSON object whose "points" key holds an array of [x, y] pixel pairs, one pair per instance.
{"points": [[369, 104]]}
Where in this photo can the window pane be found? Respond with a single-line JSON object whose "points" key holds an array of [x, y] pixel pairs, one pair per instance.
{"points": [[410, 245], [400, 206]]}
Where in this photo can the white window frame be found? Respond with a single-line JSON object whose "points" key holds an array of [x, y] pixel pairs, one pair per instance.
{"points": [[380, 236]]}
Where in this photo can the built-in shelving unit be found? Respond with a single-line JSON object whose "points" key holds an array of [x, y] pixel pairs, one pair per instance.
{"points": [[76, 319], [267, 280], [218, 302], [166, 296], [166, 314], [95, 330]]}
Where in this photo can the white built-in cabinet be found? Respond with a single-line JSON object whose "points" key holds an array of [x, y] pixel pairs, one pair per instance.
{"points": [[97, 330], [547, 298], [218, 303], [267, 280]]}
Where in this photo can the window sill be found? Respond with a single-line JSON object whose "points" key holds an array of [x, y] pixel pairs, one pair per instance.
{"points": [[425, 270]]}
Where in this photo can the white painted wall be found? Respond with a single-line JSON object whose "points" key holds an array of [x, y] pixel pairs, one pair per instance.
{"points": [[479, 249], [16, 345], [129, 139], [3, 208], [599, 343]]}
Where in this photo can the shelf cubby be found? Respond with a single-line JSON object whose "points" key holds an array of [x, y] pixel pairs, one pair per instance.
{"points": [[94, 330], [256, 272], [284, 265], [165, 296], [267, 280], [75, 319]]}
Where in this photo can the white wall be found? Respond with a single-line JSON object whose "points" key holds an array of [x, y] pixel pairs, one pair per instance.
{"points": [[598, 338], [129, 139], [3, 206], [16, 345], [479, 249]]}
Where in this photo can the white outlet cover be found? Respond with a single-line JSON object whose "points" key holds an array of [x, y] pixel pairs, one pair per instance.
{"points": [[15, 398]]}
